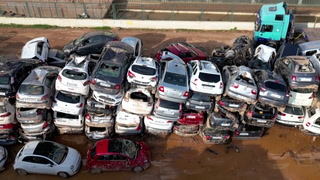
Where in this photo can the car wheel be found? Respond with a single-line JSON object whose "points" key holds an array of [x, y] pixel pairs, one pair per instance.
{"points": [[21, 172], [137, 169], [95, 171], [63, 174]]}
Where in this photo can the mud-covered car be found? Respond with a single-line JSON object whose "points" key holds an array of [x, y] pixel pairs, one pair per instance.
{"points": [[309, 48], [37, 48], [68, 123], [263, 56], [239, 83], [37, 131], [185, 51], [291, 115], [189, 124], [301, 97], [90, 43], [261, 115], [68, 103], [232, 105], [108, 99], [138, 101], [7, 111], [298, 72], [200, 101], [273, 89], [311, 122], [3, 157], [223, 119], [158, 125], [127, 123], [37, 90], [246, 131], [9, 137], [214, 135], [32, 115]]}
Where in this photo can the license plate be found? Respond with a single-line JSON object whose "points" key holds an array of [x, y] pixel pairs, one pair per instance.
{"points": [[191, 117], [305, 79], [225, 124], [199, 107], [157, 121], [207, 87], [275, 95], [216, 137], [71, 84], [2, 93], [233, 105], [105, 84], [244, 134], [262, 121], [99, 105]]}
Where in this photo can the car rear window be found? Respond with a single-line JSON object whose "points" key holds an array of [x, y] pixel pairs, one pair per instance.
{"points": [[143, 70], [276, 86], [176, 79], [304, 68], [169, 105], [4, 80], [31, 89], [244, 79], [68, 116], [109, 70], [201, 97], [68, 97], [139, 95], [76, 75], [209, 77], [294, 110]]}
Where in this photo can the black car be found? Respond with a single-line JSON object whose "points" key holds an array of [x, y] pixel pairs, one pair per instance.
{"points": [[109, 75], [223, 119], [200, 101], [232, 105], [213, 135], [261, 115], [13, 72], [246, 131], [90, 43]]}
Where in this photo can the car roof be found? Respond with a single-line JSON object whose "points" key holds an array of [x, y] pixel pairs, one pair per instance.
{"points": [[115, 52], [148, 61], [10, 65], [97, 33], [179, 47], [83, 65], [289, 50], [102, 146], [175, 66], [29, 148], [38, 75]]}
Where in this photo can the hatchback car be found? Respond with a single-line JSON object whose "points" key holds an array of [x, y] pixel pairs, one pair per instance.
{"points": [[174, 82], [3, 157], [298, 72], [143, 72], [291, 115], [223, 119], [108, 99], [214, 135], [90, 43], [239, 83], [311, 122], [127, 123], [309, 48], [118, 154], [75, 76], [261, 115], [232, 105], [301, 97], [8, 138], [37, 90], [47, 157], [138, 101], [200, 101], [13, 72], [246, 131], [190, 123], [68, 103], [167, 109], [273, 89], [37, 48], [185, 51], [68, 123], [158, 126], [205, 77]]}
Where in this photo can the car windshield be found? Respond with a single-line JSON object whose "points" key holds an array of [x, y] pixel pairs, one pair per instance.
{"points": [[109, 70], [294, 110], [123, 146], [276, 86], [68, 98], [209, 77], [176, 79], [143, 70], [54, 151], [76, 75], [169, 104], [67, 116], [80, 39], [4, 80], [201, 97], [304, 68], [29, 89]]}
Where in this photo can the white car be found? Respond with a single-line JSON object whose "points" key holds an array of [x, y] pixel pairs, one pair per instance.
{"points": [[265, 53], [109, 99], [75, 76], [292, 115], [138, 101], [311, 121], [7, 112], [301, 97], [143, 72], [205, 77], [68, 103], [135, 43], [37, 48], [31, 115], [47, 157], [3, 157], [158, 126], [68, 123], [128, 123]]}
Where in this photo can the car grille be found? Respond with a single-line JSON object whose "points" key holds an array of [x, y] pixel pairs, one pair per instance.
{"points": [[107, 99], [139, 82]]}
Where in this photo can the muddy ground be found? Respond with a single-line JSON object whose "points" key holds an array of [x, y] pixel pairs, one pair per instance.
{"points": [[283, 153]]}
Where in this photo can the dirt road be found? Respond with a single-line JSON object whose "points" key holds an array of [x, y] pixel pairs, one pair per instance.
{"points": [[284, 153]]}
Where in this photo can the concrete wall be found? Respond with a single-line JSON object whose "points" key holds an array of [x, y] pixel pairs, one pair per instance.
{"points": [[144, 24]]}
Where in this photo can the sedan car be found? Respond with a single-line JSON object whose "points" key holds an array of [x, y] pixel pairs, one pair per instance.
{"points": [[118, 154], [173, 83], [167, 109], [3, 157], [47, 157], [200, 101], [68, 103], [311, 122], [184, 50], [37, 48], [138, 101], [291, 115], [37, 90], [90, 43], [298, 72], [261, 115], [240, 84], [190, 123], [158, 126], [273, 89], [246, 131]]}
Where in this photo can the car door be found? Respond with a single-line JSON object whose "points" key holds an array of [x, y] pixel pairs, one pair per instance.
{"points": [[37, 164], [120, 162], [50, 84]]}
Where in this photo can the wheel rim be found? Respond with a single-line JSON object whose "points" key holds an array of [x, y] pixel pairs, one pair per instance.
{"points": [[137, 169], [95, 171], [21, 172], [63, 174]]}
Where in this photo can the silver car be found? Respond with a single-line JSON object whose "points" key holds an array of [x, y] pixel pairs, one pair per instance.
{"points": [[240, 84], [37, 89], [167, 109], [173, 83]]}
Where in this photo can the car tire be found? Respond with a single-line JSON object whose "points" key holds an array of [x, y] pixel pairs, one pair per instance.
{"points": [[137, 169], [63, 174], [95, 171], [21, 172]]}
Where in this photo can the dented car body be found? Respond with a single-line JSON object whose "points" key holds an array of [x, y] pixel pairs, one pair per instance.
{"points": [[189, 124], [261, 115]]}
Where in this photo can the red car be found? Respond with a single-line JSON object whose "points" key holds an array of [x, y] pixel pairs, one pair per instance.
{"points": [[185, 51], [118, 154], [189, 123]]}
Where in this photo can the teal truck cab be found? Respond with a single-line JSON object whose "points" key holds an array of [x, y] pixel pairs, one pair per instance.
{"points": [[274, 23]]}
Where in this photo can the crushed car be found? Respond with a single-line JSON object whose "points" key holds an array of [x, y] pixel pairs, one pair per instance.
{"points": [[190, 123]]}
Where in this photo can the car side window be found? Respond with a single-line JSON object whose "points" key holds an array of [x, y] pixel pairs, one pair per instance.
{"points": [[119, 157], [40, 48], [266, 28], [49, 81], [36, 159]]}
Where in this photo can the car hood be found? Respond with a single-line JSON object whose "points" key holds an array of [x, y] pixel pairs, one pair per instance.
{"points": [[73, 158]]}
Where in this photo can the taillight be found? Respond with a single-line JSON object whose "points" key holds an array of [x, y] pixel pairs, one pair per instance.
{"points": [[88, 117], [17, 96], [93, 82], [221, 103], [263, 89], [6, 114], [39, 112], [249, 114], [226, 136], [312, 96], [300, 117], [44, 97], [207, 137], [117, 87], [54, 100], [130, 74], [180, 108], [45, 125], [294, 78], [126, 99], [175, 128], [7, 126], [195, 82], [59, 78], [149, 104], [186, 94], [86, 83], [281, 114], [235, 85], [316, 78], [138, 128], [237, 132], [253, 91], [54, 120], [80, 105], [169, 121], [149, 118], [221, 85], [308, 124], [161, 88], [153, 79], [116, 39]]}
